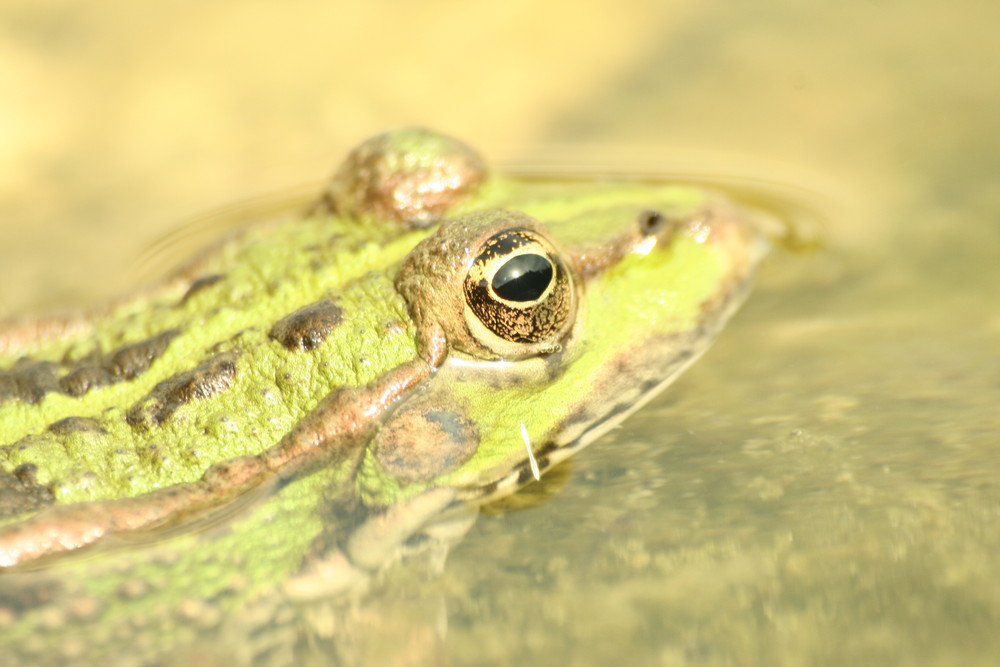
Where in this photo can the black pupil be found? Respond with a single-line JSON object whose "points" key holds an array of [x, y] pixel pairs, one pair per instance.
{"points": [[523, 278]]}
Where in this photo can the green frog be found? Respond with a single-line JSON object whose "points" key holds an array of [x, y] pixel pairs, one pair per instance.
{"points": [[310, 398]]}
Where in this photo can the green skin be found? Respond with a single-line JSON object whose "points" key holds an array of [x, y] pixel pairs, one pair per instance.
{"points": [[324, 461]]}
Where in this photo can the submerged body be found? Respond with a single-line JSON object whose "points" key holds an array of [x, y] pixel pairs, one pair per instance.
{"points": [[427, 339]]}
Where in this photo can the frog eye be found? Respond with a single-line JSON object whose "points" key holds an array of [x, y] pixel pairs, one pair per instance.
{"points": [[519, 294]]}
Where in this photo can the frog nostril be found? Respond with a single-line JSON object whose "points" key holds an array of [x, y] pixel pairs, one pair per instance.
{"points": [[651, 222]]}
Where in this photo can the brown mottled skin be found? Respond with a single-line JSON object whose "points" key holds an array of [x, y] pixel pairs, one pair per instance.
{"points": [[210, 377], [343, 418], [307, 327], [30, 380]]}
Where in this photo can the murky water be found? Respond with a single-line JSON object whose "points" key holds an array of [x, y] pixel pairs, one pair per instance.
{"points": [[823, 487]]}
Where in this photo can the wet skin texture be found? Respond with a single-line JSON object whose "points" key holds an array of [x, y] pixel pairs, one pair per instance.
{"points": [[427, 338]]}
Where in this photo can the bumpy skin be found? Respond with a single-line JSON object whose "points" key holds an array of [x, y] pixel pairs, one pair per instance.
{"points": [[323, 385]]}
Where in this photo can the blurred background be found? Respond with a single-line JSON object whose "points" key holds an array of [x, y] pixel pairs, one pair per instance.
{"points": [[119, 121], [822, 488]]}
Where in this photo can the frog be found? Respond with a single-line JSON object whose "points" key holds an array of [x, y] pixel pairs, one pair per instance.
{"points": [[311, 398]]}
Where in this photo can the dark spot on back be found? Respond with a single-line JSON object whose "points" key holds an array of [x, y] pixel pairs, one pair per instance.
{"points": [[210, 377], [308, 326], [29, 380], [200, 285], [133, 360], [83, 379], [75, 425], [21, 493]]}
